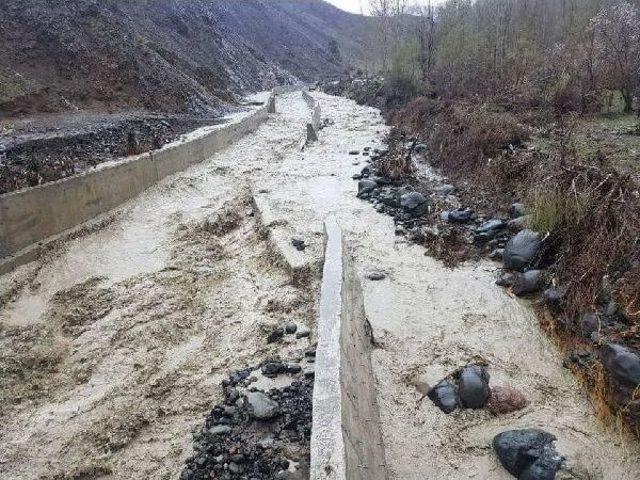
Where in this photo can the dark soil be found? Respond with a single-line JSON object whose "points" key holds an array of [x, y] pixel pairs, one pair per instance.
{"points": [[38, 150]]}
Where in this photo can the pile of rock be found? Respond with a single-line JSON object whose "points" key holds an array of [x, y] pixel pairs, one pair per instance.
{"points": [[255, 434]]}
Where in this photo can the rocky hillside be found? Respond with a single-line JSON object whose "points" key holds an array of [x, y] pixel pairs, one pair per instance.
{"points": [[165, 55]]}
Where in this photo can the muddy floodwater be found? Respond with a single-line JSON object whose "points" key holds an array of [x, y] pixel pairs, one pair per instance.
{"points": [[112, 346]]}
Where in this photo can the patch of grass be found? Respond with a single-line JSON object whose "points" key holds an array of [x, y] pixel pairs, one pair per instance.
{"points": [[552, 211]]}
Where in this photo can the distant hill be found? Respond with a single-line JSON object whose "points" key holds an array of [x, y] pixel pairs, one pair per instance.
{"points": [[166, 55]]}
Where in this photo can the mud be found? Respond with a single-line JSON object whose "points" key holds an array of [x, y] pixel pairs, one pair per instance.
{"points": [[116, 343], [430, 320], [113, 345]]}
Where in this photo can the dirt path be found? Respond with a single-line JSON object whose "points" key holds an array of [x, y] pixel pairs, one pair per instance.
{"points": [[113, 347]]}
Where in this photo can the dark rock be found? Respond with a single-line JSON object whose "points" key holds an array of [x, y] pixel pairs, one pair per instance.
{"points": [[445, 396], [445, 190], [272, 369], [414, 203], [365, 187], [517, 224], [354, 152], [517, 210], [376, 276], [497, 254], [298, 243], [276, 335], [506, 279], [303, 332], [622, 362], [528, 282], [553, 297], [544, 468], [491, 226], [260, 406], [518, 450], [292, 368], [459, 216], [521, 250], [473, 387], [589, 323], [290, 328]]}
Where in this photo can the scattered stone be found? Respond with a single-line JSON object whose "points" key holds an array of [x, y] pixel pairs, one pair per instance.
{"points": [[299, 243], [528, 282], [376, 276], [589, 323], [497, 254], [473, 387], [506, 279], [414, 203], [290, 328], [445, 190], [219, 430], [521, 250], [505, 400], [488, 231], [553, 297], [272, 369], [517, 210], [528, 454], [303, 332], [276, 335], [458, 216], [622, 362], [292, 368], [518, 224], [445, 396], [261, 406], [365, 187]]}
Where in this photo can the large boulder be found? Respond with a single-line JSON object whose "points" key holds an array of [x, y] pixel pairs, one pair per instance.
{"points": [[528, 454], [622, 362], [473, 387], [521, 250]]}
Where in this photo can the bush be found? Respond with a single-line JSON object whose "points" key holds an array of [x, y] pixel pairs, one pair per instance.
{"points": [[552, 211]]}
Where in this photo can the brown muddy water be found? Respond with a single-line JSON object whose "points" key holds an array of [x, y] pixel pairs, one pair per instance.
{"points": [[113, 345]]}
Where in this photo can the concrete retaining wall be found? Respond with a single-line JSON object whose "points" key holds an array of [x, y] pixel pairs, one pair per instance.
{"points": [[313, 126], [33, 215], [346, 439]]}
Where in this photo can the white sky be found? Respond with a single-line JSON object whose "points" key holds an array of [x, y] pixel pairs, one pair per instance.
{"points": [[355, 6]]}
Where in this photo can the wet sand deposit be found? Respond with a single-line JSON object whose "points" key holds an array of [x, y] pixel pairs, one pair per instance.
{"points": [[113, 346]]}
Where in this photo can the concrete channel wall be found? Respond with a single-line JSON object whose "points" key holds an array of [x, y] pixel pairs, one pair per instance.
{"points": [[35, 214], [313, 126], [346, 439]]}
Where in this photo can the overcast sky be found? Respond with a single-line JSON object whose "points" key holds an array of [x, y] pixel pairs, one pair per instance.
{"points": [[355, 5]]}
